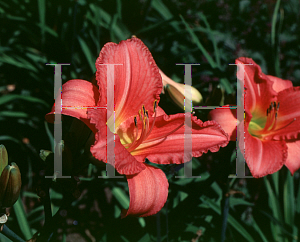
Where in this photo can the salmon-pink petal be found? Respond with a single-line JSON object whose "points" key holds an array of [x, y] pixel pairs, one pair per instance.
{"points": [[227, 119], [280, 84], [288, 121], [159, 111], [259, 92], [293, 159], [165, 144], [264, 157], [125, 163], [77, 97], [137, 80], [148, 192]]}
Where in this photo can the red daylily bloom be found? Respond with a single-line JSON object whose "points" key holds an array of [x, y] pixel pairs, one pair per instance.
{"points": [[272, 121], [141, 128]]}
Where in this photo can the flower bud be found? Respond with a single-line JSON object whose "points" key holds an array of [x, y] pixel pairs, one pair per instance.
{"points": [[3, 158], [10, 185], [176, 91]]}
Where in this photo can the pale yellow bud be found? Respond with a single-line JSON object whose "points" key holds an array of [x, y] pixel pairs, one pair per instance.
{"points": [[176, 91]]}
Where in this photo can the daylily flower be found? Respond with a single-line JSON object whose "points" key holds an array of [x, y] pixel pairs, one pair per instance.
{"points": [[176, 91], [140, 127], [272, 121]]}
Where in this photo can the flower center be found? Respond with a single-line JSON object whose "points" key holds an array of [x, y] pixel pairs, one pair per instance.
{"points": [[144, 117], [255, 126], [269, 123], [146, 130]]}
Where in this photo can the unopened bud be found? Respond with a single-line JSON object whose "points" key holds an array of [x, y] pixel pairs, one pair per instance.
{"points": [[10, 185], [3, 158], [176, 91]]}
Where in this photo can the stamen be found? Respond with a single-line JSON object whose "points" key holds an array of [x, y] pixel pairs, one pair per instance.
{"points": [[164, 136], [271, 122], [287, 124], [155, 105], [154, 108], [144, 117], [135, 135], [135, 121], [139, 141]]}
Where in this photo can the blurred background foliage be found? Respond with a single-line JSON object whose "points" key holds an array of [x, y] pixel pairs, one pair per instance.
{"points": [[213, 33]]}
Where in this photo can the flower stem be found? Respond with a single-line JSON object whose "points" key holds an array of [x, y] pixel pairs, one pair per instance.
{"points": [[11, 234]]}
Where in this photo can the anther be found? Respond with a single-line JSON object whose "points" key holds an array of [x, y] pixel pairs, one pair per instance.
{"points": [[155, 105], [278, 106], [144, 110], [135, 121]]}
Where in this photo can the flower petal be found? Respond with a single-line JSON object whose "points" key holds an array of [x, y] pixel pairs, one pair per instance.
{"points": [[137, 80], [148, 192], [264, 157], [125, 163], [227, 119], [293, 159], [259, 92], [288, 121], [165, 144], [77, 96], [280, 84]]}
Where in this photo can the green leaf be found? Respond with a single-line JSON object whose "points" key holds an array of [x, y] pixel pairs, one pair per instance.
{"points": [[18, 62], [274, 205], [145, 238], [22, 219], [239, 201], [213, 39], [199, 45], [3, 238], [289, 203], [13, 114], [6, 137], [161, 8], [88, 54], [121, 197], [257, 228], [42, 15], [231, 220], [11, 97], [50, 136], [30, 194], [227, 86]]}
